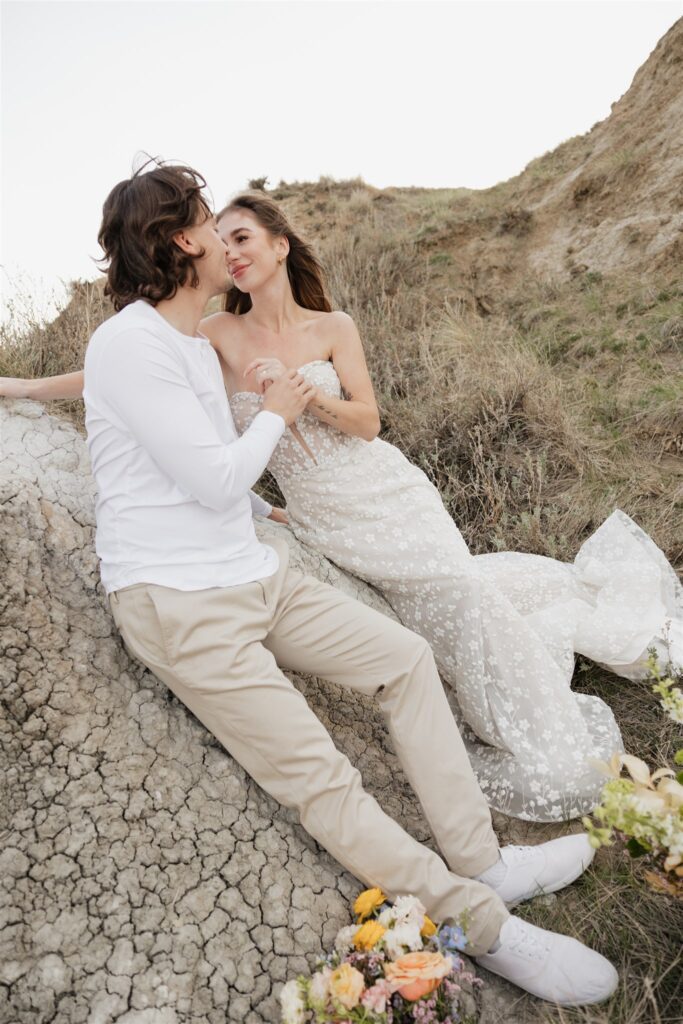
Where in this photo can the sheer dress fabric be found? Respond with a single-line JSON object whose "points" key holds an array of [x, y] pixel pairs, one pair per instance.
{"points": [[504, 627]]}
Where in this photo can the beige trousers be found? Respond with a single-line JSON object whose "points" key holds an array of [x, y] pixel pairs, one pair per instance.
{"points": [[219, 650]]}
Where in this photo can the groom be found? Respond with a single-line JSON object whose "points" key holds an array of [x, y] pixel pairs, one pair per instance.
{"points": [[217, 615]]}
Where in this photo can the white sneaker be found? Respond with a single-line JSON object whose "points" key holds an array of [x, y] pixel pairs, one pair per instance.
{"points": [[550, 966], [535, 870]]}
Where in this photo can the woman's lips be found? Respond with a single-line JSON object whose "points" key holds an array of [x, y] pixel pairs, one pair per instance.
{"points": [[237, 271]]}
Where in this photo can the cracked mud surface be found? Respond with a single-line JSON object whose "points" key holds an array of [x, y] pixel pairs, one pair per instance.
{"points": [[145, 878]]}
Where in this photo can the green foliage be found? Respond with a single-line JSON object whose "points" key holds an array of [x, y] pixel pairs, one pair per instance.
{"points": [[638, 849]]}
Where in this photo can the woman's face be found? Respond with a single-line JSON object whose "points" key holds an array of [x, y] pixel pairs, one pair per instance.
{"points": [[253, 253]]}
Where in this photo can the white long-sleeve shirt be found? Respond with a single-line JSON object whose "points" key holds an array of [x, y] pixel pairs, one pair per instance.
{"points": [[174, 503]]}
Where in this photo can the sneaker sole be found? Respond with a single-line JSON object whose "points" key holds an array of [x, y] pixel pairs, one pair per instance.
{"points": [[575, 1001]]}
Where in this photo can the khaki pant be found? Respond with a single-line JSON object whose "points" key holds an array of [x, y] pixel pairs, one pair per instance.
{"points": [[219, 650]]}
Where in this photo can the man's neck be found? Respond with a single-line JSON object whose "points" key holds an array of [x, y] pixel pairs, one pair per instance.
{"points": [[185, 309]]}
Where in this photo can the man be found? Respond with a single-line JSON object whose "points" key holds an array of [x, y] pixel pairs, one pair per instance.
{"points": [[216, 615]]}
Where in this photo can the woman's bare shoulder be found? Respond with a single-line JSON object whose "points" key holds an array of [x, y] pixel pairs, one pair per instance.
{"points": [[337, 320], [341, 329], [219, 326]]}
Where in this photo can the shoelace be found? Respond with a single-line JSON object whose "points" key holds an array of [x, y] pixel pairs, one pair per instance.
{"points": [[526, 943], [518, 854]]}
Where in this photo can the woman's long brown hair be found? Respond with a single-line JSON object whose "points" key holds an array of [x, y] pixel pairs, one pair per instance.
{"points": [[303, 268]]}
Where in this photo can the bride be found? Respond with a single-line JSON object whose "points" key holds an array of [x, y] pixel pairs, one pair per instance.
{"points": [[504, 627]]}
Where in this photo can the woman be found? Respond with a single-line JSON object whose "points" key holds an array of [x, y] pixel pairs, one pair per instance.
{"points": [[504, 627]]}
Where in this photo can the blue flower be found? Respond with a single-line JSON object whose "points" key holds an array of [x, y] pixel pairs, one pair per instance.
{"points": [[452, 938]]}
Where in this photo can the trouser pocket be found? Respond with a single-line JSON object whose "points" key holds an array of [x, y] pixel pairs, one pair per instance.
{"points": [[136, 614]]}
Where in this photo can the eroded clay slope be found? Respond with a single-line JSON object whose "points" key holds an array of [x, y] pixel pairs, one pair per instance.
{"points": [[144, 876]]}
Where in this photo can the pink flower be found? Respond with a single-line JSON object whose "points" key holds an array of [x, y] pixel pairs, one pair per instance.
{"points": [[375, 998]]}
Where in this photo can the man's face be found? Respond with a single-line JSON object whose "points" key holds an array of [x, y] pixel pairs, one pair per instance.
{"points": [[213, 266]]}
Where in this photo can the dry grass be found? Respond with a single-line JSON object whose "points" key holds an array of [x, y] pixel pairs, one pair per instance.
{"points": [[30, 349], [534, 423], [611, 909]]}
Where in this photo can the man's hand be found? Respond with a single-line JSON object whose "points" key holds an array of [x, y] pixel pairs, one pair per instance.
{"points": [[278, 515], [289, 395]]}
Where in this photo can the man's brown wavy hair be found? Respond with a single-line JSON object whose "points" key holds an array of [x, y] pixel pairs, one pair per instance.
{"points": [[139, 218]]}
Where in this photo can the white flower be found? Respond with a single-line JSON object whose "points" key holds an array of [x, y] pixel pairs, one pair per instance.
{"points": [[344, 939], [403, 922], [293, 1006], [403, 935], [409, 909], [320, 986], [387, 917]]}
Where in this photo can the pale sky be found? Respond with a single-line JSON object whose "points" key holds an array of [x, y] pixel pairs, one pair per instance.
{"points": [[436, 94]]}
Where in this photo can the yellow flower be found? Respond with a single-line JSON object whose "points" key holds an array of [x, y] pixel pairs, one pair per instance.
{"points": [[368, 901], [637, 769], [660, 790], [672, 791], [428, 928], [346, 984], [368, 935]]}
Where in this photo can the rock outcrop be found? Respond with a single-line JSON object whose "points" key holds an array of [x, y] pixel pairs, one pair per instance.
{"points": [[145, 877]]}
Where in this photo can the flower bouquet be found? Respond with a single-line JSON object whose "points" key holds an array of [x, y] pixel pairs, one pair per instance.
{"points": [[393, 966], [645, 811]]}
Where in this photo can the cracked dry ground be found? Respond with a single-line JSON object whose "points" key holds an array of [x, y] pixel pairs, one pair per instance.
{"points": [[145, 877]]}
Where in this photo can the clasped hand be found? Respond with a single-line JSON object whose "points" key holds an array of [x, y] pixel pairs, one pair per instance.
{"points": [[266, 371], [287, 392]]}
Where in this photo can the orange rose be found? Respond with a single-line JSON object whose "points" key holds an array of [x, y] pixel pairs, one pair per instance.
{"points": [[416, 974], [418, 988]]}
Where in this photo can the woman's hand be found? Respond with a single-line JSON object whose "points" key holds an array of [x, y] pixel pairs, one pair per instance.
{"points": [[267, 370], [43, 389], [14, 387], [278, 515]]}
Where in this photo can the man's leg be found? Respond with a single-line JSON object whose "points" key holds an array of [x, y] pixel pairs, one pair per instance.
{"points": [[315, 629], [206, 646], [318, 630]]}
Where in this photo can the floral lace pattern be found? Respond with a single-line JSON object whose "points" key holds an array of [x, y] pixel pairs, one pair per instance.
{"points": [[504, 627]]}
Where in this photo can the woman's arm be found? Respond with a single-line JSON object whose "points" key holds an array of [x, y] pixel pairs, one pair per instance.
{"points": [[357, 414], [43, 389]]}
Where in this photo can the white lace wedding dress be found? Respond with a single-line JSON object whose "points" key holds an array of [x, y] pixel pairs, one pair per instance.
{"points": [[504, 627]]}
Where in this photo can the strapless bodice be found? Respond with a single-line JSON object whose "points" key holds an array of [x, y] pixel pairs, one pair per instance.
{"points": [[322, 444]]}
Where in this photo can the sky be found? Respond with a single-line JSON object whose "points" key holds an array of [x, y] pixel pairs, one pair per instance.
{"points": [[431, 94]]}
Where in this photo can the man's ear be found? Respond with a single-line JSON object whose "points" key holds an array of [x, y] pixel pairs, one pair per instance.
{"points": [[183, 241]]}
